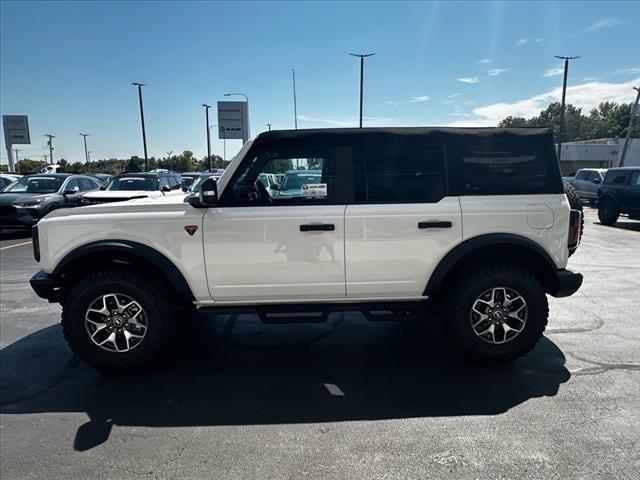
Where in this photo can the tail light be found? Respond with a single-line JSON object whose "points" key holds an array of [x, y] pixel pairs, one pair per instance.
{"points": [[575, 222], [35, 239]]}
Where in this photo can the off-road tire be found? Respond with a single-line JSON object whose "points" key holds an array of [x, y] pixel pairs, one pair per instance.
{"points": [[608, 213], [463, 295], [576, 204], [153, 297]]}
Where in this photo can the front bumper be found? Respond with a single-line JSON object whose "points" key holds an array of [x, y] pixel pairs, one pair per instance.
{"points": [[567, 283], [18, 217], [44, 286]]}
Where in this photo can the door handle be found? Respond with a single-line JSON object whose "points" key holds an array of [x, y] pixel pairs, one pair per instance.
{"points": [[317, 227], [434, 224]]}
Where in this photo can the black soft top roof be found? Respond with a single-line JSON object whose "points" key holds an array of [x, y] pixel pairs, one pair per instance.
{"points": [[347, 136]]}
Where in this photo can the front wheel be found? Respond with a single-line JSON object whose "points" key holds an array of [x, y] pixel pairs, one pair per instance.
{"points": [[607, 212], [118, 319], [497, 313]]}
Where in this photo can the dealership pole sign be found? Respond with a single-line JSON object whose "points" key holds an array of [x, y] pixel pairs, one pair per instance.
{"points": [[16, 132], [233, 120]]}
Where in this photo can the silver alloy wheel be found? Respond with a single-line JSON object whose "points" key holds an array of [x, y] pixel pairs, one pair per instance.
{"points": [[498, 315], [115, 322]]}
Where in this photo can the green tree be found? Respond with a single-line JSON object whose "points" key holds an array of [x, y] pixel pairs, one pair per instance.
{"points": [[135, 164], [185, 161], [26, 165]]}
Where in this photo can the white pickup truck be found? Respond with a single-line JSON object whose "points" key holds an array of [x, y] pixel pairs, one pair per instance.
{"points": [[475, 219]]}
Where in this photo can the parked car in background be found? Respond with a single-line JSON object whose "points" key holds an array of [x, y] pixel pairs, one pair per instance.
{"points": [[188, 178], [619, 194], [103, 178], [130, 185], [30, 198], [293, 181], [7, 179], [194, 186], [270, 182], [586, 183]]}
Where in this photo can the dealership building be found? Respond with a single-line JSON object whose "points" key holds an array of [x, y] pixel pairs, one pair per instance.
{"points": [[600, 153]]}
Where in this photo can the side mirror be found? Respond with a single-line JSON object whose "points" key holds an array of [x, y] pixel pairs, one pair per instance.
{"points": [[165, 189], [103, 187], [185, 189], [596, 180], [71, 191], [275, 186], [207, 195]]}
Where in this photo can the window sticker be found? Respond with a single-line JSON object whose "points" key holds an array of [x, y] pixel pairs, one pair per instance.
{"points": [[314, 190]]}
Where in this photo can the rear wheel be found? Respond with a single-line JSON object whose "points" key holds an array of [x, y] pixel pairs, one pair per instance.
{"points": [[608, 213], [118, 319], [498, 313]]}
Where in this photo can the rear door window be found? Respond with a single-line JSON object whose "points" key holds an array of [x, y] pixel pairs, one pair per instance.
{"points": [[391, 173], [616, 177], [505, 169], [582, 175], [635, 179]]}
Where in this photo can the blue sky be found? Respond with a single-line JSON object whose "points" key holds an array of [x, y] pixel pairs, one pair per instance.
{"points": [[69, 65]]}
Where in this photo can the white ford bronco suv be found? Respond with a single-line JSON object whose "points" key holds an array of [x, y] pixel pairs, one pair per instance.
{"points": [[396, 219]]}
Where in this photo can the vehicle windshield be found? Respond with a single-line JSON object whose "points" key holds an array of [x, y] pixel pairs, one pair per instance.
{"points": [[39, 184], [132, 183], [296, 180]]}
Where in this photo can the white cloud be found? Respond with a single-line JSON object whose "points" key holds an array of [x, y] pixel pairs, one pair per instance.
{"points": [[484, 60], [589, 79], [602, 24], [454, 95], [552, 72], [586, 96], [632, 70], [538, 40], [469, 79], [521, 42], [494, 72], [448, 102], [417, 99]]}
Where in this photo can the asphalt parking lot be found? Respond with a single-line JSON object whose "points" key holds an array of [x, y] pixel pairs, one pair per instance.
{"points": [[346, 399]]}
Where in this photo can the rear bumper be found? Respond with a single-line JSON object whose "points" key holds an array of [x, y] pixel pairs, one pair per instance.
{"points": [[567, 283], [44, 286]]}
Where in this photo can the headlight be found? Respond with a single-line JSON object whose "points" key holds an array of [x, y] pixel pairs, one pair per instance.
{"points": [[31, 203]]}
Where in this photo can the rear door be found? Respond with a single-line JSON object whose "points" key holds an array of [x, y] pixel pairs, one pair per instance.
{"points": [[581, 181], [401, 223]]}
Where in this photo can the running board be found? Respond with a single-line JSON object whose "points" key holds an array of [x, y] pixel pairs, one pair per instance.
{"points": [[318, 313]]}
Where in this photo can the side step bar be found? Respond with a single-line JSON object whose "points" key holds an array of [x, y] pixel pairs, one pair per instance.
{"points": [[318, 313]]}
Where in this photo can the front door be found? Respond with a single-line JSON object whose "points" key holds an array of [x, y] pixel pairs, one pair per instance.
{"points": [[274, 245]]}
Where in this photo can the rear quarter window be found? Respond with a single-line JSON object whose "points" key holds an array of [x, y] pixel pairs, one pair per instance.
{"points": [[496, 169]]}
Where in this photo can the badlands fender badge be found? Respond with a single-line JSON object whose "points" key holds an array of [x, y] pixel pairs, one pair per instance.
{"points": [[191, 229]]}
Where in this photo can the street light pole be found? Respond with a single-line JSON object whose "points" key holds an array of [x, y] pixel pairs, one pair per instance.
{"points": [[361, 56], [295, 105], [50, 143], [564, 94], [17, 159], [144, 134], [269, 125], [206, 112], [627, 140], [169, 159], [86, 154]]}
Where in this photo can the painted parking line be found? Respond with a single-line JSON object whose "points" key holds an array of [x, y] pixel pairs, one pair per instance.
{"points": [[16, 245]]}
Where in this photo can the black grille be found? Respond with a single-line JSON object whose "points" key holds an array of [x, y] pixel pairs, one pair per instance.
{"points": [[7, 209]]}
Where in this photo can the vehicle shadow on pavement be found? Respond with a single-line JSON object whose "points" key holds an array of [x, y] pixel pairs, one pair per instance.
{"points": [[632, 225], [14, 235], [232, 370]]}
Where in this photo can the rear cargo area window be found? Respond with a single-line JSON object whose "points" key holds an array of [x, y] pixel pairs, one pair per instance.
{"points": [[509, 170], [399, 174]]}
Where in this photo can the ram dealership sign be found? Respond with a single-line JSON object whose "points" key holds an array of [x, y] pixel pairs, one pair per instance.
{"points": [[233, 120]]}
